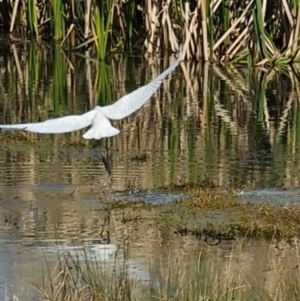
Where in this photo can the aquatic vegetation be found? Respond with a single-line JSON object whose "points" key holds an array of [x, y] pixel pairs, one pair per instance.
{"points": [[254, 32]]}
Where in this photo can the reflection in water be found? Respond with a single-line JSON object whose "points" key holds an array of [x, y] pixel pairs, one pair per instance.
{"points": [[238, 127]]}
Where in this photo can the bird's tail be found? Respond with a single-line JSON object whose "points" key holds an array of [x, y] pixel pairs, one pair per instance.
{"points": [[103, 132]]}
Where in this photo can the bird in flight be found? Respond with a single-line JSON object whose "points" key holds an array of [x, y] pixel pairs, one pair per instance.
{"points": [[98, 118]]}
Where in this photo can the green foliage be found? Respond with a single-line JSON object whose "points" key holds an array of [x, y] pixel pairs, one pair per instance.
{"points": [[58, 20], [103, 14]]}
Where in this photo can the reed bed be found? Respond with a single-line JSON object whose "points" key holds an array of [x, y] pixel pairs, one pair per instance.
{"points": [[253, 32]]}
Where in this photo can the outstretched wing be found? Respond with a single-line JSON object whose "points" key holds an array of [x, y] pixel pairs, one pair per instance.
{"points": [[57, 125], [135, 100]]}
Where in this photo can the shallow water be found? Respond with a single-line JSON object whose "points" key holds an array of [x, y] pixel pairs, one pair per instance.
{"points": [[233, 126]]}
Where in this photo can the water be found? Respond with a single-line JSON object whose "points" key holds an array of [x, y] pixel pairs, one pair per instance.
{"points": [[237, 127]]}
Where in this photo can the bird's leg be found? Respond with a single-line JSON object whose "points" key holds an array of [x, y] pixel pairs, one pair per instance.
{"points": [[104, 153], [96, 143], [108, 191], [105, 156], [105, 159]]}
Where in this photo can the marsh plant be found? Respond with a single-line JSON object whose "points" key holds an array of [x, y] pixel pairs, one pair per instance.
{"points": [[77, 277], [252, 32]]}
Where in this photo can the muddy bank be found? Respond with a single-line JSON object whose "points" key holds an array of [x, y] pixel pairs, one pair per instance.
{"points": [[204, 213]]}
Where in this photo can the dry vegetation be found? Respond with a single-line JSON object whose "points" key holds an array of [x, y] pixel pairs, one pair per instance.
{"points": [[180, 277], [254, 32]]}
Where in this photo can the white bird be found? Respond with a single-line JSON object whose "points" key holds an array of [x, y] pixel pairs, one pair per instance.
{"points": [[98, 118]]}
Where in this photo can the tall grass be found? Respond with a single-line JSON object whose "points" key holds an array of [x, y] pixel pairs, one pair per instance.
{"points": [[178, 278], [221, 31]]}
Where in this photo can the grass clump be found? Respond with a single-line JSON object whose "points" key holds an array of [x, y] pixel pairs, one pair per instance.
{"points": [[275, 221], [178, 277], [79, 275], [248, 221], [211, 200]]}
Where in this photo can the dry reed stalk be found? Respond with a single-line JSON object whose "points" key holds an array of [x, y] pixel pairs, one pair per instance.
{"points": [[172, 36], [237, 44], [288, 13], [87, 18], [92, 102], [214, 5], [151, 11], [297, 29], [14, 15], [233, 26], [190, 28], [72, 27], [234, 51], [204, 29]]}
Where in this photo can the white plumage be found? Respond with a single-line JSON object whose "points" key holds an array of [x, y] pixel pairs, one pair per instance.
{"points": [[98, 118]]}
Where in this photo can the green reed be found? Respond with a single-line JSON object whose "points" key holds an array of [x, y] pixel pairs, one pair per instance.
{"points": [[130, 8], [103, 15], [259, 30], [59, 82], [33, 18], [58, 20], [104, 93]]}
